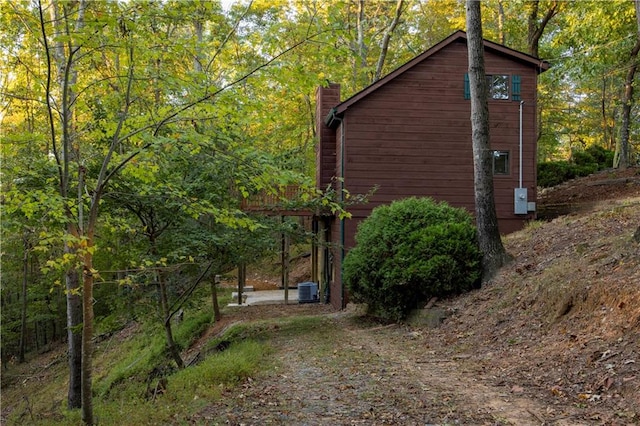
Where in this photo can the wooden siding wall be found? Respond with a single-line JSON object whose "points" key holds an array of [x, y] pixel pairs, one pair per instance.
{"points": [[412, 137], [326, 98]]}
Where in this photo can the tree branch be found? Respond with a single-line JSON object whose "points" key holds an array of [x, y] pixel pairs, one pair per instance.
{"points": [[229, 34], [387, 39], [52, 126], [167, 119]]}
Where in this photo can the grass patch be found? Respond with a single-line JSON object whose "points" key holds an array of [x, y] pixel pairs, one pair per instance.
{"points": [[194, 324], [122, 396], [268, 329], [129, 368], [133, 361], [239, 361], [188, 390]]}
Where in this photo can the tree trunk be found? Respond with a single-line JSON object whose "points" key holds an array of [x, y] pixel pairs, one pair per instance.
{"points": [[494, 254], [214, 299], [87, 335], [23, 317], [627, 99], [166, 317], [74, 335], [536, 29], [198, 28], [286, 265], [501, 37], [608, 130], [242, 279], [360, 62], [60, 17], [387, 38]]}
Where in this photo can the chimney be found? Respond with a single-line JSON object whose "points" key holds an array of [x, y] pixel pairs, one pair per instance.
{"points": [[326, 99]]}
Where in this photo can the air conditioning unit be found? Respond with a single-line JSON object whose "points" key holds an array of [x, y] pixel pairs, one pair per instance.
{"points": [[308, 292]]}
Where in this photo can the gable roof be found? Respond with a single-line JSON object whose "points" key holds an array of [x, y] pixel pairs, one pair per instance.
{"points": [[458, 36]]}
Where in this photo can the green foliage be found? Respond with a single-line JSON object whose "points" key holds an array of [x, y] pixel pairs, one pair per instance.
{"points": [[410, 251], [552, 173], [579, 96], [582, 163], [194, 324], [141, 356]]}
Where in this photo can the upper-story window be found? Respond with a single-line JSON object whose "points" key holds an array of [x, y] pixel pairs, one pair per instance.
{"points": [[501, 87], [498, 86]]}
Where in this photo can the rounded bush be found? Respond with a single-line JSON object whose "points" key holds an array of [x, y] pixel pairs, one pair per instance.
{"points": [[408, 252]]}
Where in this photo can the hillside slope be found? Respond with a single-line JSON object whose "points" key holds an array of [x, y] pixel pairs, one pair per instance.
{"points": [[562, 322]]}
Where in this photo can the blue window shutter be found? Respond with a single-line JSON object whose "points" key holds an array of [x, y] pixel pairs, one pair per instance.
{"points": [[515, 87], [467, 89]]}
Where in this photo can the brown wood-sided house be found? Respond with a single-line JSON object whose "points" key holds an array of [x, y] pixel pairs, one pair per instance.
{"points": [[409, 134]]}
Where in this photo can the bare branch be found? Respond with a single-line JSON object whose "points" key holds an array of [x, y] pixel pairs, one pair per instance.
{"points": [[52, 126], [387, 38], [103, 177]]}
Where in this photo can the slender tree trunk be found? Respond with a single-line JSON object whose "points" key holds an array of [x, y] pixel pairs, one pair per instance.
{"points": [[87, 335], [60, 55], [25, 280], [501, 36], [286, 265], [536, 29], [242, 279], [166, 320], [494, 254], [360, 61], [608, 129], [387, 38], [37, 333], [198, 28], [74, 334], [214, 298], [627, 98]]}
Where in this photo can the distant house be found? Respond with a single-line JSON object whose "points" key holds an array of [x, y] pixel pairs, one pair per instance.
{"points": [[409, 134]]}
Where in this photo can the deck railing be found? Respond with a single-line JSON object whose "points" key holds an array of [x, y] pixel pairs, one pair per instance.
{"points": [[289, 197]]}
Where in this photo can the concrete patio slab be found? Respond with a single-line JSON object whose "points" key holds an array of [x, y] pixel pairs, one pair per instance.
{"points": [[267, 297]]}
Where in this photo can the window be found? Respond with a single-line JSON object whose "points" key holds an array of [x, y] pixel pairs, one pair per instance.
{"points": [[500, 162], [499, 87]]}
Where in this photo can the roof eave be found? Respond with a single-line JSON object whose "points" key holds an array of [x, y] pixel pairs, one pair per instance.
{"points": [[539, 64]]}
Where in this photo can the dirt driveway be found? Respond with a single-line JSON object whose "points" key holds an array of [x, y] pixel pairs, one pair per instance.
{"points": [[347, 371]]}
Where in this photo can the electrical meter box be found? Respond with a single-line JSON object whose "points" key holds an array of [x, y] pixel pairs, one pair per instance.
{"points": [[520, 201]]}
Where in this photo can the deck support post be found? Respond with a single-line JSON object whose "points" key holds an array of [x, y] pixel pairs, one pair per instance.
{"points": [[314, 250], [285, 263], [242, 279]]}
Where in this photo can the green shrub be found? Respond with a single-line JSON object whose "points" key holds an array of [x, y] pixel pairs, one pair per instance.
{"points": [[601, 156], [583, 158], [553, 173], [408, 252], [583, 163]]}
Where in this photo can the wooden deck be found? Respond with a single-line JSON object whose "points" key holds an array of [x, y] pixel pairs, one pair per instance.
{"points": [[291, 200]]}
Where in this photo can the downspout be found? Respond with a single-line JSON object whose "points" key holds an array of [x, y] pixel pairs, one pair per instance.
{"points": [[331, 118], [520, 157], [520, 197], [342, 239]]}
